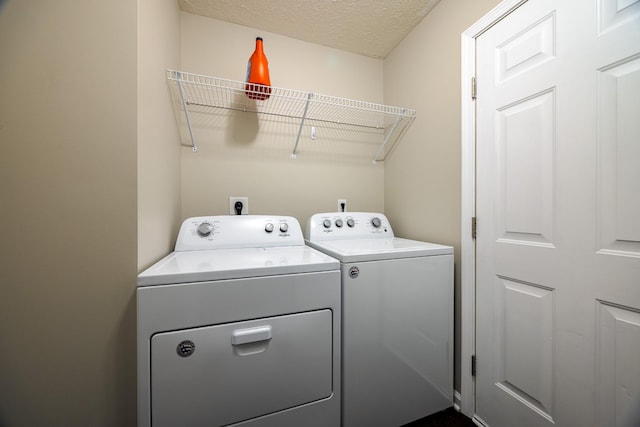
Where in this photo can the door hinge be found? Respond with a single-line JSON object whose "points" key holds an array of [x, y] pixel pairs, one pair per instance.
{"points": [[473, 88], [473, 365], [473, 227]]}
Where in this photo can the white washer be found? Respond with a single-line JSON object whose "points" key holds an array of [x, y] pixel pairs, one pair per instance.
{"points": [[239, 326], [397, 319]]}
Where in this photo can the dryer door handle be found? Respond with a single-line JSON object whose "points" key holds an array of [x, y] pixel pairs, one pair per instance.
{"points": [[246, 336]]}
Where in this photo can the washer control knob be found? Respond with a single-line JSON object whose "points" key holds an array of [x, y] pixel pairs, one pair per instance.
{"points": [[326, 223], [338, 223], [205, 229], [284, 227], [268, 228], [375, 221], [351, 223]]}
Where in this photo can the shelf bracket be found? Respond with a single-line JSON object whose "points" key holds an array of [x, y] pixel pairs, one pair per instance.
{"points": [[386, 139], [304, 116], [186, 111]]}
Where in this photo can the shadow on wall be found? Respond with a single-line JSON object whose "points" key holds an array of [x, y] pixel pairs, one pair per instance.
{"points": [[125, 364], [243, 128]]}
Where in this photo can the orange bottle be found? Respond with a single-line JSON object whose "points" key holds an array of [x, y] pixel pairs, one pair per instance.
{"points": [[258, 84]]}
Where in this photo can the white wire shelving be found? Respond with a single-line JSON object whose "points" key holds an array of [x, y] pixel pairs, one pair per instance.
{"points": [[195, 92]]}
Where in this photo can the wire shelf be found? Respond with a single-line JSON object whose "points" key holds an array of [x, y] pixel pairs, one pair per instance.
{"points": [[197, 91]]}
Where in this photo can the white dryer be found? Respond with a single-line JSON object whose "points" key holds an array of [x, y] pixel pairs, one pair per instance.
{"points": [[397, 319], [239, 326]]}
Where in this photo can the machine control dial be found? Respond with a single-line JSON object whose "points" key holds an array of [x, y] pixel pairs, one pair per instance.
{"points": [[339, 223], [375, 221], [205, 229], [268, 228], [326, 223], [351, 223], [284, 227]]}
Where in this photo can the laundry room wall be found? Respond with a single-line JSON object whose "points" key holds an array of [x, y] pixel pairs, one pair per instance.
{"points": [[241, 154], [68, 213], [422, 177], [159, 207]]}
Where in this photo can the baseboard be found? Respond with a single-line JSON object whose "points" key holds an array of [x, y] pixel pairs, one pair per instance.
{"points": [[456, 405], [479, 422], [456, 400]]}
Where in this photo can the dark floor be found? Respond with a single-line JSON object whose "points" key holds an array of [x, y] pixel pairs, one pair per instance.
{"points": [[447, 418]]}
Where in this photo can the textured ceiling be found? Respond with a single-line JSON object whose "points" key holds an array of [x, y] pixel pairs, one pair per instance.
{"points": [[366, 27]]}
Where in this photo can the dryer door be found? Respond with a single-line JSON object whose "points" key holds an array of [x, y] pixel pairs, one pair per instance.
{"points": [[219, 375]]}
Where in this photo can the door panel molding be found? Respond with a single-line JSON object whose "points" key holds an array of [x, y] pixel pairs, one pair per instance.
{"points": [[618, 153], [526, 169], [532, 47], [617, 341], [525, 367], [612, 13]]}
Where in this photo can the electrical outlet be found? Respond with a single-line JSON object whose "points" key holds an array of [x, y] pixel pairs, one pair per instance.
{"points": [[243, 205], [342, 205]]}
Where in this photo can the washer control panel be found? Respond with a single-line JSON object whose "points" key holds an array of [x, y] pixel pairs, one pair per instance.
{"points": [[238, 231], [347, 225]]}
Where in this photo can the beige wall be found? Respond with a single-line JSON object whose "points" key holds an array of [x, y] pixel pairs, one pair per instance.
{"points": [[158, 151], [422, 177], [67, 213], [243, 155]]}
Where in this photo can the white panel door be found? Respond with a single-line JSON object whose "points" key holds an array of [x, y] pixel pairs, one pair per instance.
{"points": [[558, 216]]}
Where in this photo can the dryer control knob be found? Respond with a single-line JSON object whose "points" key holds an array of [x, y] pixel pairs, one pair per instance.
{"points": [[205, 229], [284, 227], [351, 223], [268, 228], [338, 223], [326, 223], [375, 221]]}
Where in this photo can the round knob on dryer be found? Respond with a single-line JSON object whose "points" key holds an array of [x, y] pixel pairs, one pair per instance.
{"points": [[351, 223], [205, 229], [375, 221], [284, 227], [268, 228], [338, 223], [326, 223]]}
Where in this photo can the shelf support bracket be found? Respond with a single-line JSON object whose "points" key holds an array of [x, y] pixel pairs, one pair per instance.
{"points": [[304, 116], [186, 111], [386, 139]]}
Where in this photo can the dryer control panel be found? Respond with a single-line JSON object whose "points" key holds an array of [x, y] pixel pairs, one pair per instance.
{"points": [[238, 231], [347, 225]]}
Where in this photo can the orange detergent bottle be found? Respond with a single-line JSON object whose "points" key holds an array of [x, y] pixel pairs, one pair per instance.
{"points": [[258, 84]]}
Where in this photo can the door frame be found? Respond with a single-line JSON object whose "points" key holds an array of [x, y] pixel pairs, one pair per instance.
{"points": [[468, 202]]}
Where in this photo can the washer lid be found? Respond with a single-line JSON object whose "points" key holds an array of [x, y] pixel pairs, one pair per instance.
{"points": [[379, 249], [200, 266]]}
